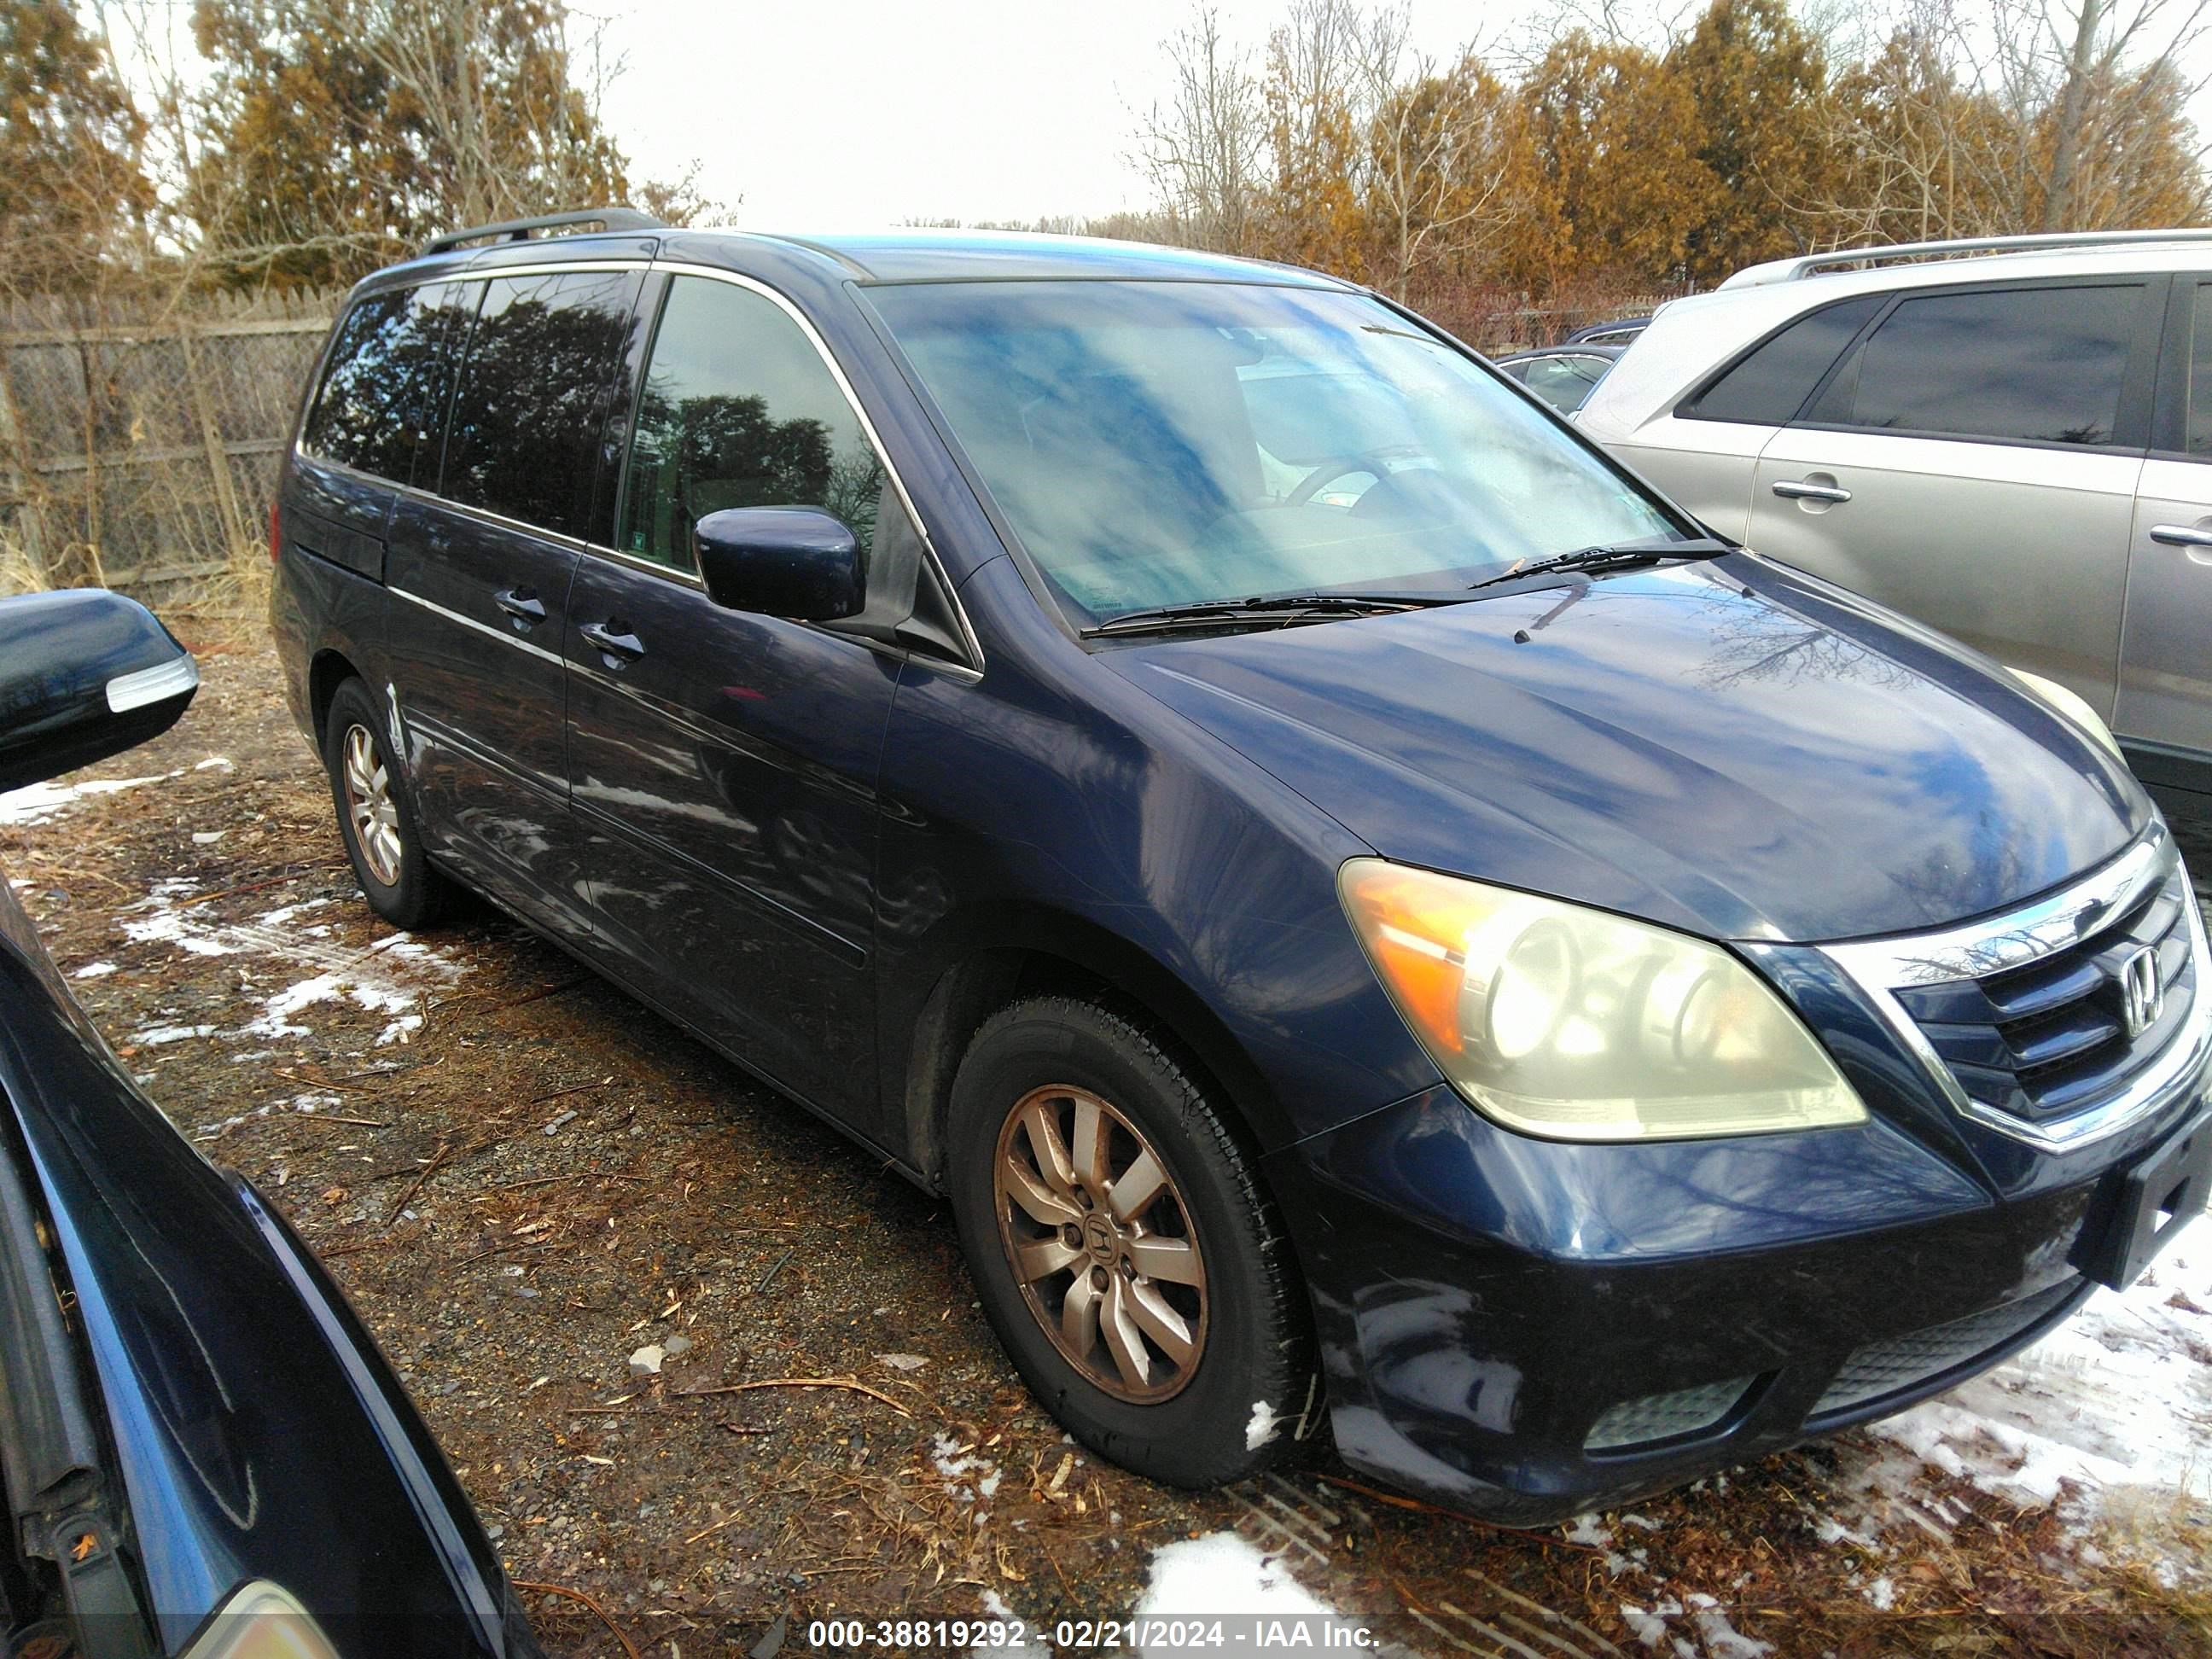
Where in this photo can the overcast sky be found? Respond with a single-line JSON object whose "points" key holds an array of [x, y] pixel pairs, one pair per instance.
{"points": [[836, 114]]}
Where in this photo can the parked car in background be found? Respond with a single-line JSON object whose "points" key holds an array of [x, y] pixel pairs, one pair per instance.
{"points": [[1563, 376], [1358, 903], [2010, 438], [1621, 331], [203, 1453]]}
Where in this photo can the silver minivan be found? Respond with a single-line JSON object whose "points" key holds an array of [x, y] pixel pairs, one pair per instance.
{"points": [[2010, 438]]}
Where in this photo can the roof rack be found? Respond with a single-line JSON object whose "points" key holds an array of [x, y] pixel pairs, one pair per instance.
{"points": [[522, 230], [1820, 265]]}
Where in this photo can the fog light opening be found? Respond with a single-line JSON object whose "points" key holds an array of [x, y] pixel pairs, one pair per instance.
{"points": [[1657, 1419]]}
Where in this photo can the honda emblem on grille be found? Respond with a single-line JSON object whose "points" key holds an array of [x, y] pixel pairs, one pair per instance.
{"points": [[2141, 996]]}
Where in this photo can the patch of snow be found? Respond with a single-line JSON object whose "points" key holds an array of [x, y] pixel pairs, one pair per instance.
{"points": [[1722, 1639], [211, 761], [2119, 1397], [1882, 1594], [1586, 1530], [157, 1034], [970, 1478], [1264, 1426], [1648, 1626], [371, 978], [94, 971], [208, 837], [1829, 1530], [1222, 1575], [41, 803]]}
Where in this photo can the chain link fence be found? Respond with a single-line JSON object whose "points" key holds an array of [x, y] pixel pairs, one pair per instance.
{"points": [[139, 438]]}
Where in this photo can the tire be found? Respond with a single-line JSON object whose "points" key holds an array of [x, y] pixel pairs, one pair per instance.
{"points": [[1224, 1413], [376, 815]]}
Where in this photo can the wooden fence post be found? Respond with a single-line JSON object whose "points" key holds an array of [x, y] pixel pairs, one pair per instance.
{"points": [[226, 498]]}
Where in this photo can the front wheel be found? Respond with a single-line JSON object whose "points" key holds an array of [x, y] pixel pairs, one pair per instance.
{"points": [[1123, 1249]]}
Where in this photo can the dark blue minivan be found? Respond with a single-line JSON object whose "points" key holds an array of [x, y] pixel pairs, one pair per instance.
{"points": [[1369, 914]]}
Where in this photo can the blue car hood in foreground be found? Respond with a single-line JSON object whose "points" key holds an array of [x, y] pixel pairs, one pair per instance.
{"points": [[1722, 747]]}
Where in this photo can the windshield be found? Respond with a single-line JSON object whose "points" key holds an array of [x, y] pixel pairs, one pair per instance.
{"points": [[1159, 444]]}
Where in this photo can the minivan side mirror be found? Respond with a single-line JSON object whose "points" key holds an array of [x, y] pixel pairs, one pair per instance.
{"points": [[84, 674], [796, 561]]}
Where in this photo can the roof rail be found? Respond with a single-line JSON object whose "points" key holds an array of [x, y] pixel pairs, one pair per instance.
{"points": [[522, 230], [1819, 265]]}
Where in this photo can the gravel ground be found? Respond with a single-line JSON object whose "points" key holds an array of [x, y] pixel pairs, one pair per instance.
{"points": [[534, 1192]]}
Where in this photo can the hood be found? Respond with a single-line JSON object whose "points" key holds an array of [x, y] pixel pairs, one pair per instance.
{"points": [[1725, 747]]}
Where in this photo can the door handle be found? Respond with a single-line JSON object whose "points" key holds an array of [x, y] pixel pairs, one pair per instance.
{"points": [[2180, 535], [1804, 491], [611, 644], [523, 605]]}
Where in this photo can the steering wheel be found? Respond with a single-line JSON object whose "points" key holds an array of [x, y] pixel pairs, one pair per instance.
{"points": [[1335, 467]]}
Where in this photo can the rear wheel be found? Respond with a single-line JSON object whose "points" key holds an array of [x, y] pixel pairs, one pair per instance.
{"points": [[1124, 1251], [376, 818]]}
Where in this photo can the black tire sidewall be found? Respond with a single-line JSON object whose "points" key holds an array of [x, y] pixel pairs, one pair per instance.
{"points": [[1254, 1338], [419, 895]]}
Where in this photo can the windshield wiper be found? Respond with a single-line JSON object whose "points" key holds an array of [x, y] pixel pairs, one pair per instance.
{"points": [[1278, 611], [1603, 557]]}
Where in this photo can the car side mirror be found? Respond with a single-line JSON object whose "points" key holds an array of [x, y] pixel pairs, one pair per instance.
{"points": [[84, 674], [796, 561]]}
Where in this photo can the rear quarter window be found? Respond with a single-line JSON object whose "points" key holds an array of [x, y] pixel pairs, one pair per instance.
{"points": [[1768, 384], [377, 410]]}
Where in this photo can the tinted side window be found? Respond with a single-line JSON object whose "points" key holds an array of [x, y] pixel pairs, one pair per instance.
{"points": [[2200, 371], [379, 406], [532, 394], [1769, 386], [737, 410], [2038, 365]]}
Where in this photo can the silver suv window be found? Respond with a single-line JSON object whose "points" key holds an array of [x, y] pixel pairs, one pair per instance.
{"points": [[1770, 384], [2030, 365]]}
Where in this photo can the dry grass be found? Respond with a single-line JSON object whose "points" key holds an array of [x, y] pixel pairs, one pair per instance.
{"points": [[18, 572], [232, 607]]}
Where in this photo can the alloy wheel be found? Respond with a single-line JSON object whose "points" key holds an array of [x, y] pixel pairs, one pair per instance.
{"points": [[369, 806], [1101, 1242]]}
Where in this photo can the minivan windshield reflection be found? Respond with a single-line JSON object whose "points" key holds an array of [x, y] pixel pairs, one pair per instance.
{"points": [[1160, 444]]}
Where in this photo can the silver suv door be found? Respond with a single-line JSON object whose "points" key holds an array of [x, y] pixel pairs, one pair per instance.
{"points": [[2166, 643], [1972, 461]]}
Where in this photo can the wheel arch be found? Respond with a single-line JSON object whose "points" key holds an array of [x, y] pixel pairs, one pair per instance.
{"points": [[330, 669], [1035, 951]]}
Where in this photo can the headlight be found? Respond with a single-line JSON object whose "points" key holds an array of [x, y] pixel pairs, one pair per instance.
{"points": [[261, 1620], [1562, 1021], [2070, 704]]}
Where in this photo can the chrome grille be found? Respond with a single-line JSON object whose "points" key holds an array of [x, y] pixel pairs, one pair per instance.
{"points": [[2043, 1040], [2026, 1020]]}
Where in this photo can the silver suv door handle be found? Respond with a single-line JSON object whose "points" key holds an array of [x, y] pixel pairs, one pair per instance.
{"points": [[2181, 535], [1798, 490]]}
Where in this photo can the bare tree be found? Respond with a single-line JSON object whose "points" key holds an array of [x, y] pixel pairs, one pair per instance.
{"points": [[1204, 152], [1439, 152]]}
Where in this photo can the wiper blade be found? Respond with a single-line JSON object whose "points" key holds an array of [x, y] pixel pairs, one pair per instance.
{"points": [[1276, 611], [1602, 557]]}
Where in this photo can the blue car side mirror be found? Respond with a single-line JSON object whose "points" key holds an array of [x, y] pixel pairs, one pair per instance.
{"points": [[796, 561], [84, 674]]}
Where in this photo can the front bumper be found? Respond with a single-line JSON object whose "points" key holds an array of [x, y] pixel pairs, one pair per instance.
{"points": [[1530, 1329]]}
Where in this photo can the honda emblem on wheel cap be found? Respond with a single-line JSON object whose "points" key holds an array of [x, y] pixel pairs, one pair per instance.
{"points": [[2141, 997]]}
